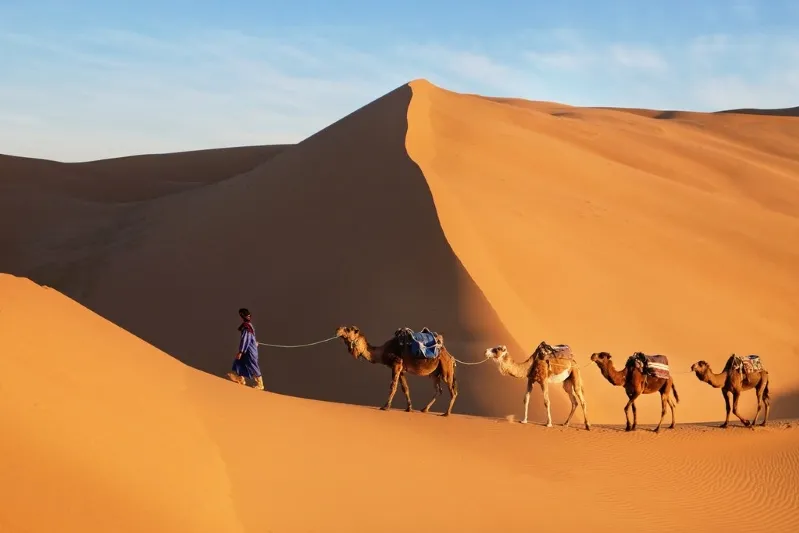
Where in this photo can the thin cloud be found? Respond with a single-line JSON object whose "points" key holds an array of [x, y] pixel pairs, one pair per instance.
{"points": [[110, 92], [637, 58]]}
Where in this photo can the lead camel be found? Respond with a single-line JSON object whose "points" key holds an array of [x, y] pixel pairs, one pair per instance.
{"points": [[401, 361]]}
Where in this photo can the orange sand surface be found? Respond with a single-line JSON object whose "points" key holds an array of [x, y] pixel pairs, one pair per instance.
{"points": [[138, 441], [490, 220]]}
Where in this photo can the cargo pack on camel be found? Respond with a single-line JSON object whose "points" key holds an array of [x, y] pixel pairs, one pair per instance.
{"points": [[747, 364], [740, 374], [422, 354], [424, 344], [655, 366]]}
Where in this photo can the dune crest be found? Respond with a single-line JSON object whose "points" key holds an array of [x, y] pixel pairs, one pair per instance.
{"points": [[615, 232], [490, 220]]}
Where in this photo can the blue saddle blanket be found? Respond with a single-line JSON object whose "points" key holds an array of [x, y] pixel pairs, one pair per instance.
{"points": [[424, 345]]}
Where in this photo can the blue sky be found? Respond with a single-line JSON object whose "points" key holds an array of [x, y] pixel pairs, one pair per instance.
{"points": [[84, 80]]}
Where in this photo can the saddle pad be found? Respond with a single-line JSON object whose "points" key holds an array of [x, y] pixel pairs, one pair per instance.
{"points": [[557, 351], [748, 364], [425, 346], [656, 366], [422, 344], [658, 370], [562, 351]]}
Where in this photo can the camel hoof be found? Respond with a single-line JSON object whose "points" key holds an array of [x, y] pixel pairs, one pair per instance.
{"points": [[747, 423], [522, 421], [723, 426], [549, 425], [628, 428], [384, 408], [588, 428], [426, 410], [408, 409], [656, 430], [444, 414]]}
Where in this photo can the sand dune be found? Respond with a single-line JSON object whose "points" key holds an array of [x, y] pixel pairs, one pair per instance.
{"points": [[104, 432], [616, 232], [490, 220]]}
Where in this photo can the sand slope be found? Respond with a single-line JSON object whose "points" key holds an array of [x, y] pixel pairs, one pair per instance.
{"points": [[617, 232], [490, 220], [104, 432], [340, 228]]}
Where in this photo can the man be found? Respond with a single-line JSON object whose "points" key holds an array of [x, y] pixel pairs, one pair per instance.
{"points": [[245, 365]]}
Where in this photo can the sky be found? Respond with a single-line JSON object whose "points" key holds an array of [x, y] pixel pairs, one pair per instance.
{"points": [[83, 80]]}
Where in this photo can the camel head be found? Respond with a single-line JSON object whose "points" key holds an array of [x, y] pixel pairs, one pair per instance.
{"points": [[600, 358], [497, 353], [350, 335], [700, 367]]}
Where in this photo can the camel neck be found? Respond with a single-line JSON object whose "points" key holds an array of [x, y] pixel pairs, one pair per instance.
{"points": [[509, 367], [615, 377], [364, 349], [714, 380]]}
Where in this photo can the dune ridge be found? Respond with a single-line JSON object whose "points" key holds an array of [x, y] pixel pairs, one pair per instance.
{"points": [[142, 442], [614, 232], [490, 220]]}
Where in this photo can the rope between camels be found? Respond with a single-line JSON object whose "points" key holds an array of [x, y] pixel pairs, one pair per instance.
{"points": [[297, 345], [472, 363]]}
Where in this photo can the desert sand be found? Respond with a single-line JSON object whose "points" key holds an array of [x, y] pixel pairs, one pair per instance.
{"points": [[489, 220]]}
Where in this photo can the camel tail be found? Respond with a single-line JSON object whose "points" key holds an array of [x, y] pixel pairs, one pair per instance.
{"points": [[676, 395]]}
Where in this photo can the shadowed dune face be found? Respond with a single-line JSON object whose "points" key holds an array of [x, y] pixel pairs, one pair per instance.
{"points": [[340, 229], [492, 221], [133, 178], [62, 222]]}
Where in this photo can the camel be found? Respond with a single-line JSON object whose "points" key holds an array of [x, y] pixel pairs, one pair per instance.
{"points": [[740, 374], [547, 364], [636, 382], [399, 359]]}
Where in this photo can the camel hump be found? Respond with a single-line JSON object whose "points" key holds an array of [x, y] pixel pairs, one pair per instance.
{"points": [[424, 344], [747, 364], [556, 351], [656, 366]]}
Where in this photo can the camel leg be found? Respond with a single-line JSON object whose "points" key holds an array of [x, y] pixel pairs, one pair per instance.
{"points": [[527, 399], [545, 388], [568, 386], [629, 426], [766, 403], [436, 392], [663, 402], [396, 371], [584, 407], [578, 390], [406, 391], [736, 395], [759, 393], [672, 404], [452, 383], [725, 393], [631, 403]]}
